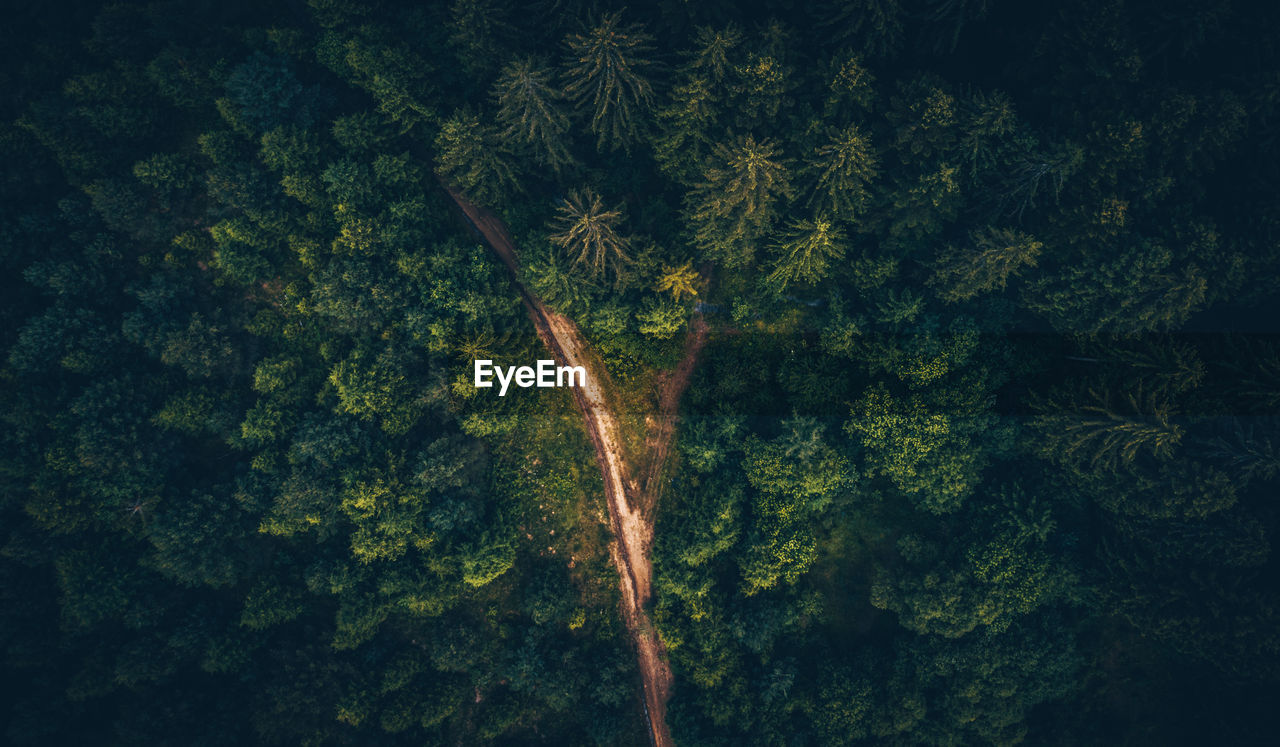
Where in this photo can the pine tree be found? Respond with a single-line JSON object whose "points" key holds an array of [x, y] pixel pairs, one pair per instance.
{"points": [[712, 60], [697, 101], [1107, 437], [683, 143], [872, 25], [479, 32], [842, 169], [1138, 286], [922, 206], [805, 251], [760, 90], [556, 283], [849, 89], [472, 158], [607, 81], [736, 203], [589, 234], [530, 110], [988, 122], [997, 254], [400, 80]]}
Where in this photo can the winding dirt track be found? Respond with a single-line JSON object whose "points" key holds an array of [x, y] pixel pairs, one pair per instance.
{"points": [[630, 512]]}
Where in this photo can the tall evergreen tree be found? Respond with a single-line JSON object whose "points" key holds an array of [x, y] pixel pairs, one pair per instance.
{"points": [[684, 141], [480, 31], [529, 107], [473, 158], [1103, 435], [712, 58], [997, 254], [805, 251], [735, 205], [589, 234], [608, 80], [841, 170]]}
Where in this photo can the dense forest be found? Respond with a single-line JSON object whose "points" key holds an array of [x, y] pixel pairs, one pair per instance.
{"points": [[983, 447]]}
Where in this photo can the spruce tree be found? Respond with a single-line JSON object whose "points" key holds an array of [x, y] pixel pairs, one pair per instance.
{"points": [[997, 254], [529, 108], [472, 158], [734, 206], [589, 234], [607, 80], [841, 169], [805, 252]]}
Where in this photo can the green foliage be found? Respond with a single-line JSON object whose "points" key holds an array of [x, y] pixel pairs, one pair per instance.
{"points": [[553, 279], [1137, 289], [400, 80], [736, 203], [929, 452], [841, 169], [608, 82], [849, 86], [267, 94], [588, 234], [805, 252], [267, 605], [529, 105], [165, 172], [998, 570], [241, 445], [473, 158], [661, 320], [678, 281], [1104, 435], [389, 519], [480, 32], [796, 476], [376, 388], [997, 255], [490, 561], [760, 88]]}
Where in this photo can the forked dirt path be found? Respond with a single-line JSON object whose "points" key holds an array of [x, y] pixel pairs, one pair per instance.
{"points": [[661, 432], [630, 512]]}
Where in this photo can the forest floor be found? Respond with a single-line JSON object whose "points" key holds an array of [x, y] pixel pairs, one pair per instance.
{"points": [[631, 511]]}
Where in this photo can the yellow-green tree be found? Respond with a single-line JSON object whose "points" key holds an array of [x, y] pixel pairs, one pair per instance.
{"points": [[805, 251], [735, 205], [588, 233], [678, 281]]}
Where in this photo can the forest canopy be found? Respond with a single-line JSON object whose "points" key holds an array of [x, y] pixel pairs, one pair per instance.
{"points": [[983, 446]]}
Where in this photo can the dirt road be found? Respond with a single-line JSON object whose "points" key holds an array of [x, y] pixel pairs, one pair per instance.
{"points": [[630, 515], [662, 431]]}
